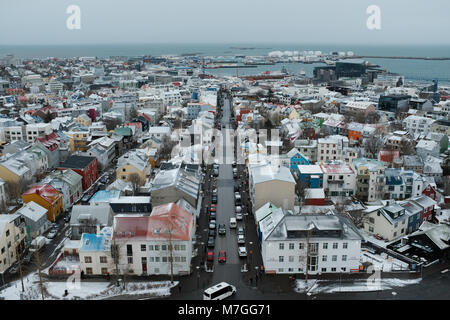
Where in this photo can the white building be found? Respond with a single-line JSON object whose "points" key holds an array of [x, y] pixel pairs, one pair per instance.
{"points": [[339, 180], [334, 244], [331, 148], [417, 125]]}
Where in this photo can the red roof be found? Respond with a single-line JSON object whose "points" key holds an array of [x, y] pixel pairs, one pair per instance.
{"points": [[136, 124], [156, 226], [388, 155], [51, 141], [45, 191]]}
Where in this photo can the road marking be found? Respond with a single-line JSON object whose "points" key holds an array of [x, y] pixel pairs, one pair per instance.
{"points": [[444, 271]]}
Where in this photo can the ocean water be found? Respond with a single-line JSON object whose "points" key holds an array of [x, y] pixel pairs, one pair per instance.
{"points": [[423, 70]]}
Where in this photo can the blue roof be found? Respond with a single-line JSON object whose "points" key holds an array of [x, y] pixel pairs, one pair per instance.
{"points": [[93, 242], [105, 196]]}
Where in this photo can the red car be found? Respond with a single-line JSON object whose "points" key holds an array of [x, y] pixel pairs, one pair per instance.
{"points": [[213, 208], [210, 256], [222, 256]]}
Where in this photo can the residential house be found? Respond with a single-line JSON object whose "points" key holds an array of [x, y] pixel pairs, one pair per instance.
{"points": [[95, 253], [86, 219], [87, 167], [369, 179], [134, 163], [339, 180], [36, 220], [308, 148], [389, 222], [296, 158], [69, 184], [83, 120], [271, 183], [147, 243], [427, 205], [334, 244], [46, 196], [331, 148], [311, 176], [12, 239]]}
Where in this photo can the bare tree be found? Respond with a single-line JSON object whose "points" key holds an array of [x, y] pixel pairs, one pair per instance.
{"points": [[373, 145], [167, 145], [14, 189], [136, 182], [301, 189], [407, 147], [111, 124]]}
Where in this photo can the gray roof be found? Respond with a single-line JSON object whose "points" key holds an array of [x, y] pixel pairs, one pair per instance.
{"points": [[180, 179], [102, 213], [269, 172]]}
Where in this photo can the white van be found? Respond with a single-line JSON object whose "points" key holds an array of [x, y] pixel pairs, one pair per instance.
{"points": [[233, 223], [37, 243], [219, 291]]}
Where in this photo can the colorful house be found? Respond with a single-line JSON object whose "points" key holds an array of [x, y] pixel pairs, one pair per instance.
{"points": [[296, 159], [312, 175], [87, 167], [47, 197]]}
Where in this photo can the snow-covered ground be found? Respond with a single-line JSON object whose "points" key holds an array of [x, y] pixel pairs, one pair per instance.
{"points": [[383, 262], [371, 238], [54, 290], [328, 286]]}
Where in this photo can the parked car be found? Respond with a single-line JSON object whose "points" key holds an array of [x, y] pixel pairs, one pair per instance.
{"points": [[38, 243], [210, 256], [214, 192], [222, 256], [212, 216], [216, 172], [27, 257], [67, 218], [235, 175], [236, 188], [214, 199], [234, 164], [212, 224], [13, 270], [211, 242], [212, 233], [240, 230], [51, 234], [242, 251], [222, 229], [238, 216], [241, 238], [212, 208], [238, 209]]}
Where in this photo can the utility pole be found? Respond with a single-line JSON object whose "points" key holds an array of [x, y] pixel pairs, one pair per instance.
{"points": [[38, 263]]}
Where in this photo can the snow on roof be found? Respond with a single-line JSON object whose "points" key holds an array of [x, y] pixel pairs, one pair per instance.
{"points": [[33, 211]]}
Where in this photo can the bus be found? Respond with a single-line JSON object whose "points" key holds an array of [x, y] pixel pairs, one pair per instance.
{"points": [[219, 291]]}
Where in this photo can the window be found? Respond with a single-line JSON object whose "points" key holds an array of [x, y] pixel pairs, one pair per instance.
{"points": [[344, 269], [324, 258], [156, 270], [144, 260], [177, 259], [7, 233], [344, 257], [156, 247], [301, 246], [182, 247], [151, 259], [183, 259], [371, 220], [105, 271], [325, 245], [103, 259], [335, 245], [396, 225], [143, 247], [157, 259], [164, 259], [3, 250], [163, 247], [291, 246], [333, 269], [87, 259], [129, 250], [130, 260], [395, 234], [281, 246], [370, 229], [334, 258], [88, 270], [345, 245], [291, 258], [281, 259], [280, 270], [150, 247], [324, 269]]}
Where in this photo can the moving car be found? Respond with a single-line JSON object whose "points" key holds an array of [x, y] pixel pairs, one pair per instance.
{"points": [[242, 251], [219, 291], [233, 223], [222, 229], [241, 238], [211, 242], [239, 216], [210, 256], [212, 224], [240, 230], [222, 256]]}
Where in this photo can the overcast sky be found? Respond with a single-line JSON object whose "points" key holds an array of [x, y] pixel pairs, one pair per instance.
{"points": [[224, 21]]}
